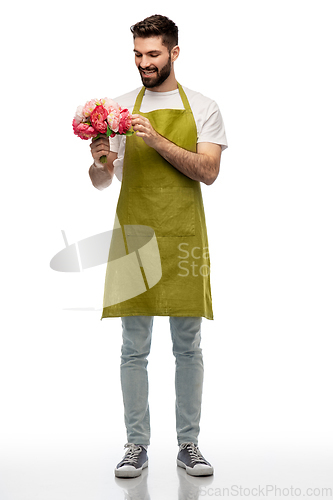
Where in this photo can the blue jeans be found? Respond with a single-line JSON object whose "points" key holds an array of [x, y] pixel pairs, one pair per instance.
{"points": [[186, 337]]}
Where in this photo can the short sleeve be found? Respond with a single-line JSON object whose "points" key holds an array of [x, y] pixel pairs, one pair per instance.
{"points": [[212, 127]]}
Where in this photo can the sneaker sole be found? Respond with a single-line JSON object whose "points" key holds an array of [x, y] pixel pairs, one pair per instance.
{"points": [[122, 472], [208, 471]]}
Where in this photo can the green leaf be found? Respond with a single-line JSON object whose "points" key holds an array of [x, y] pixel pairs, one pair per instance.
{"points": [[109, 132]]}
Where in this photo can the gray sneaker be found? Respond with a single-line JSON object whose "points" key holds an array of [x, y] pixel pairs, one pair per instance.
{"points": [[190, 458], [133, 462]]}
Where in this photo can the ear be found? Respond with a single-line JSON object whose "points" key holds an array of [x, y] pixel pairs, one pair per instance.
{"points": [[175, 53]]}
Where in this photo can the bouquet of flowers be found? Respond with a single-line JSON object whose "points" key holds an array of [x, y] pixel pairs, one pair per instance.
{"points": [[101, 116]]}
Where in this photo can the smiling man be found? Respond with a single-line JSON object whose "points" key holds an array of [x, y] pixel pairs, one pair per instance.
{"points": [[178, 141], [152, 76]]}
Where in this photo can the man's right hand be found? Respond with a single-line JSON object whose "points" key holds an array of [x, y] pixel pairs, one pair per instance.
{"points": [[100, 147], [101, 174]]}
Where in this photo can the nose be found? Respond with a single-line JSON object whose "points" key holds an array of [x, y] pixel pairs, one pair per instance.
{"points": [[145, 63]]}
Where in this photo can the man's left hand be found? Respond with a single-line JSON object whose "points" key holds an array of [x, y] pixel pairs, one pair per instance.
{"points": [[144, 129]]}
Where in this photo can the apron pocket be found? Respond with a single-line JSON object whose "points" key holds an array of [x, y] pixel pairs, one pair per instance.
{"points": [[169, 211]]}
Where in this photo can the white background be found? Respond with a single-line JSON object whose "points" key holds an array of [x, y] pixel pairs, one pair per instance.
{"points": [[268, 353]]}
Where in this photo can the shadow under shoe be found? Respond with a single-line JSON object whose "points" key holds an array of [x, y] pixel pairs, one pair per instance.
{"points": [[135, 488]]}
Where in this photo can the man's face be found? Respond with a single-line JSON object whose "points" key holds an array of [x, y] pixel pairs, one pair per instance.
{"points": [[153, 60]]}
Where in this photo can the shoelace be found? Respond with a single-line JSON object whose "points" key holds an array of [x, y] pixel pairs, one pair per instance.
{"points": [[131, 455], [194, 452]]}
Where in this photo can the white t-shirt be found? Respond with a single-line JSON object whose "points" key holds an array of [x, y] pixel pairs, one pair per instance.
{"points": [[207, 116]]}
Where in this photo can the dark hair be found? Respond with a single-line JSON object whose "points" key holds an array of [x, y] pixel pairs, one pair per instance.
{"points": [[157, 26]]}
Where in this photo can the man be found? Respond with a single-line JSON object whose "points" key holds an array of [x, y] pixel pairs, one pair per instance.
{"points": [[178, 140]]}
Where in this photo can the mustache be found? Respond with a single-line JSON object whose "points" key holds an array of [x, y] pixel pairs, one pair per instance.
{"points": [[148, 69]]}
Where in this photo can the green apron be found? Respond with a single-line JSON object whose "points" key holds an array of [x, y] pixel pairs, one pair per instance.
{"points": [[159, 260]]}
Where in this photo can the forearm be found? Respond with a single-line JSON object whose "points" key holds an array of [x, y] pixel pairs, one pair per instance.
{"points": [[203, 165], [199, 167], [101, 174], [100, 178]]}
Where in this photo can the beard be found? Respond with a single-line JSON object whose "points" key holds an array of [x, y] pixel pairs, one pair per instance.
{"points": [[158, 78]]}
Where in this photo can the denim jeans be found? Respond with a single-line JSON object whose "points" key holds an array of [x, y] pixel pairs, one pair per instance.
{"points": [[186, 337]]}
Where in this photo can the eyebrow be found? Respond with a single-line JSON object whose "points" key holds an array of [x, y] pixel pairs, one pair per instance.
{"points": [[150, 52]]}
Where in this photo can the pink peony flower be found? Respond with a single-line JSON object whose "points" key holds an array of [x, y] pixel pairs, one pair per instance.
{"points": [[89, 107], [113, 119], [79, 116], [109, 104], [84, 130], [125, 121], [98, 117]]}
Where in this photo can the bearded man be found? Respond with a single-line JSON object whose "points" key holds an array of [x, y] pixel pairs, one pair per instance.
{"points": [[178, 140]]}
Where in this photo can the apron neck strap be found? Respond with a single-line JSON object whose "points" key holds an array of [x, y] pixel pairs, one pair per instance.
{"points": [[184, 98], [138, 101], [140, 95]]}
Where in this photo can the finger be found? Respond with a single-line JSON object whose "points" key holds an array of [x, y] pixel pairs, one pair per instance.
{"points": [[100, 148], [97, 156], [100, 139], [136, 122], [100, 152], [99, 145], [100, 142], [138, 126], [139, 119]]}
